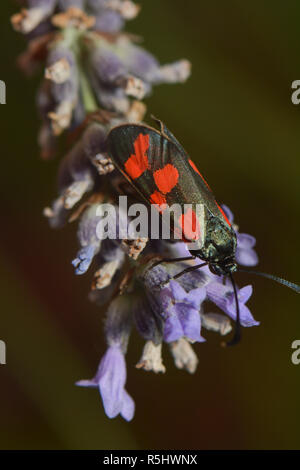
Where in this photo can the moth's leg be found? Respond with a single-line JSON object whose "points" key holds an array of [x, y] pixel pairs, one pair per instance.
{"points": [[173, 260], [189, 269]]}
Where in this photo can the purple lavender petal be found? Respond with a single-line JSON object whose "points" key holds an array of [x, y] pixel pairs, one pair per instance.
{"points": [[228, 213], [245, 293], [87, 383], [155, 278], [66, 4], [217, 293], [128, 407], [246, 317], [108, 66], [246, 241], [246, 257], [181, 310], [84, 259], [96, 5], [141, 63], [223, 297], [47, 5], [173, 329], [109, 21], [195, 297], [111, 378], [190, 320], [111, 98], [87, 230], [112, 381], [176, 291]]}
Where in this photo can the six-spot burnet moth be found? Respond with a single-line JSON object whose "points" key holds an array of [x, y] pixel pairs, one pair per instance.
{"points": [[159, 169]]}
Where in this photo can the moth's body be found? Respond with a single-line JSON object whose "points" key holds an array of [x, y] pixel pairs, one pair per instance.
{"points": [[160, 170]]}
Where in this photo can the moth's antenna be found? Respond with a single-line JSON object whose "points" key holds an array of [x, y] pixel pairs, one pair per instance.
{"points": [[284, 282], [189, 269], [237, 333]]}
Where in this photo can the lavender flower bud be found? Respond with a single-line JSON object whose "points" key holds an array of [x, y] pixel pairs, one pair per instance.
{"points": [[216, 322], [111, 258], [148, 321], [76, 175], [94, 140], [87, 235], [107, 65], [178, 72], [56, 214], [184, 355], [151, 358], [134, 247], [73, 18], [109, 21], [28, 19], [119, 322], [59, 72], [104, 275], [64, 91], [126, 8]]}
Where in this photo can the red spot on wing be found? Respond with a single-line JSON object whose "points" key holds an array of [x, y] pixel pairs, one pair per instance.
{"points": [[138, 162], [190, 225], [159, 199], [223, 214], [197, 171], [166, 178]]}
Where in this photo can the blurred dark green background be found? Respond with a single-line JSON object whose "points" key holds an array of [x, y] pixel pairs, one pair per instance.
{"points": [[236, 119]]}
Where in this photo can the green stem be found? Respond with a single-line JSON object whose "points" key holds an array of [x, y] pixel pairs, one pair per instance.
{"points": [[88, 97], [72, 38]]}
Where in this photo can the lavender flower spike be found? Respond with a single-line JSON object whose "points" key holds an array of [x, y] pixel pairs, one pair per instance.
{"points": [[110, 379], [95, 79]]}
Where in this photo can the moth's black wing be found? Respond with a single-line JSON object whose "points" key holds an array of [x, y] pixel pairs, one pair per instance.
{"points": [[135, 150], [151, 160]]}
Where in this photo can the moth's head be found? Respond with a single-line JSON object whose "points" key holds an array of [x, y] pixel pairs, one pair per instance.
{"points": [[223, 269], [219, 248]]}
